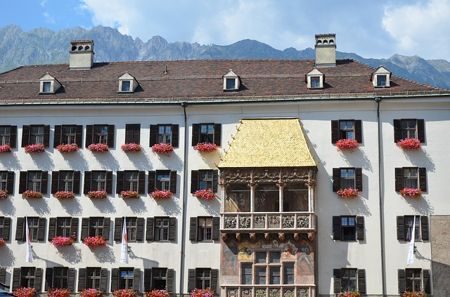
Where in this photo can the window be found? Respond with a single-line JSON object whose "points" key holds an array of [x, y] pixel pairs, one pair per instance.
{"points": [[346, 129], [414, 280], [161, 229], [93, 277], [349, 279], [130, 180], [60, 277], [204, 179], [315, 82], [63, 226], [288, 273], [164, 133], [47, 87], [159, 278], [48, 84], [126, 86], [68, 134], [410, 177], [100, 134], [267, 197], [33, 181], [409, 128], [27, 277], [127, 83], [36, 229], [126, 278], [381, 80], [35, 134], [5, 228], [204, 228], [68, 181], [231, 81], [246, 274], [204, 232], [347, 178], [405, 225], [238, 198], [133, 133], [132, 229], [314, 79], [8, 135], [206, 133], [295, 197], [348, 228], [268, 269], [95, 226], [97, 181], [203, 278], [163, 180], [135, 229], [7, 181]]}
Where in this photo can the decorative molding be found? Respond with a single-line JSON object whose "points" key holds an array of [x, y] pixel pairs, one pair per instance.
{"points": [[280, 176]]}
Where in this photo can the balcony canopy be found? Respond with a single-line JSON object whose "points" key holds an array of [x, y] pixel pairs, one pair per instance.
{"points": [[268, 143]]}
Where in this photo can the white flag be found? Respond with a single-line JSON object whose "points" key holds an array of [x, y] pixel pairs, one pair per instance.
{"points": [[124, 246], [410, 259], [29, 251]]}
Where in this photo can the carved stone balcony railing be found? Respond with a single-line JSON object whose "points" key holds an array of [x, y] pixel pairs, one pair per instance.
{"points": [[268, 221], [269, 291]]}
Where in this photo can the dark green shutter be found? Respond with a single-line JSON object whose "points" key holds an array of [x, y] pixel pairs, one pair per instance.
{"points": [[334, 131], [398, 179], [336, 179], [16, 278], [397, 130], [421, 130], [214, 279], [58, 134], [109, 182], [79, 135], [358, 131], [426, 281], [140, 229], [74, 228], [114, 279], [217, 134], [20, 229], [175, 135], [141, 176], [194, 181], [423, 179], [401, 228], [147, 279], [401, 281], [51, 229], [71, 279], [173, 182], [3, 275], [104, 280], [362, 281], [44, 182], [48, 278], [10, 183], [170, 283], [46, 135], [424, 228], [89, 135], [153, 135], [13, 137], [150, 229], [360, 228], [81, 279], [38, 280], [6, 228], [23, 181], [191, 280], [76, 182], [25, 135], [359, 179], [110, 136], [173, 229], [41, 229], [106, 228], [337, 280], [84, 228], [193, 229], [195, 134], [215, 180], [337, 228], [118, 225], [55, 181], [119, 183], [215, 228], [137, 279], [151, 181], [87, 181]]}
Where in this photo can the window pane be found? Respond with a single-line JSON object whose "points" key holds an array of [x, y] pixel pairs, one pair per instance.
{"points": [[295, 198], [260, 275], [126, 85], [288, 273], [246, 274], [260, 257], [238, 198], [267, 198], [274, 274], [274, 257], [231, 84]]}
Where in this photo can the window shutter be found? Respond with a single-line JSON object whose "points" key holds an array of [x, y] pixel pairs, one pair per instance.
{"points": [[25, 135], [57, 139], [10, 184], [217, 134], [20, 229], [76, 182], [48, 278], [84, 228], [147, 279], [44, 182], [424, 228], [336, 179], [150, 236], [173, 182], [87, 181], [397, 130], [337, 280], [194, 181], [111, 136], [38, 279], [132, 133], [106, 228], [360, 228], [423, 179], [55, 181], [401, 281], [398, 179], [195, 135], [6, 228], [153, 135], [71, 279], [214, 279], [401, 228], [3, 275], [421, 130], [81, 279], [359, 179], [358, 131], [119, 184], [141, 176], [337, 228], [104, 280], [46, 135], [118, 229], [175, 135], [216, 228], [16, 278], [109, 182], [193, 229], [426, 281], [79, 135], [89, 135], [13, 137], [41, 229], [51, 229], [215, 180], [74, 228], [114, 279], [137, 279], [173, 229], [334, 131], [362, 281], [140, 229], [23, 181], [151, 181], [170, 283], [191, 279]]}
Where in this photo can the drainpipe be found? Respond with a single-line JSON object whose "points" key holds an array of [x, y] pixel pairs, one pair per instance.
{"points": [[381, 191], [184, 200]]}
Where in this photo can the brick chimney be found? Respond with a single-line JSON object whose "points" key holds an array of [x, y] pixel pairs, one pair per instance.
{"points": [[325, 50], [81, 54]]}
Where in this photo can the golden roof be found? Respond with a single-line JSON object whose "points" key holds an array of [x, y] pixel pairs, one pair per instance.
{"points": [[268, 143]]}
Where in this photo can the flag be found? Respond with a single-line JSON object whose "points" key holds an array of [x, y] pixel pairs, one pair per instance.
{"points": [[29, 251], [410, 259], [124, 246]]}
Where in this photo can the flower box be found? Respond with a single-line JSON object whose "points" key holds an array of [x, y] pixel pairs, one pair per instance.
{"points": [[98, 147], [3, 194], [58, 293], [413, 294], [157, 293], [409, 144], [61, 195], [349, 294], [205, 147], [60, 241], [411, 192], [97, 194], [2, 242], [347, 144], [124, 293], [94, 241], [348, 193], [32, 194], [34, 148], [91, 293], [67, 148], [24, 292], [129, 194], [161, 195], [6, 148], [162, 148], [205, 194], [202, 293], [131, 147]]}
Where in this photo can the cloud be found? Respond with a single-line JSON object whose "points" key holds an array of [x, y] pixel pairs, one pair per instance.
{"points": [[421, 28]]}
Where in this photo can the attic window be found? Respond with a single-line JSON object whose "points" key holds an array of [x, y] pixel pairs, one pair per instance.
{"points": [[48, 84], [231, 81], [381, 78], [315, 82], [127, 83], [47, 87], [125, 86], [314, 79]]}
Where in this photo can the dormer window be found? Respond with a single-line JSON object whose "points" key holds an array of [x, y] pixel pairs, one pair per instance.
{"points": [[381, 78], [48, 84], [46, 87], [126, 86], [127, 83], [314, 79], [231, 81]]}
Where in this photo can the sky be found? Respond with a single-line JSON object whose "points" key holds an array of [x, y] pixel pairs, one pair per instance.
{"points": [[370, 28]]}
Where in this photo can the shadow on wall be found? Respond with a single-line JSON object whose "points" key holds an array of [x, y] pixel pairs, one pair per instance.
{"points": [[104, 254], [10, 161], [420, 158], [76, 161], [39, 205], [7, 206], [72, 206], [171, 161], [6, 256], [43, 161], [137, 205], [419, 204], [104, 205], [107, 161], [170, 206], [211, 206], [441, 277], [140, 160], [69, 253], [357, 157]]}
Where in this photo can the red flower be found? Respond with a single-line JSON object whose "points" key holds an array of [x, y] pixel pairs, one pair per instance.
{"points": [[124, 293], [3, 194], [162, 148], [411, 192], [157, 293], [6, 148], [94, 241], [348, 193], [347, 144], [34, 148], [413, 294], [24, 292], [58, 293], [2, 242], [206, 194], [205, 147], [97, 194], [67, 148], [129, 194], [202, 293], [409, 144], [64, 195], [161, 195], [32, 194], [60, 241], [131, 147], [98, 147], [349, 294], [91, 293]]}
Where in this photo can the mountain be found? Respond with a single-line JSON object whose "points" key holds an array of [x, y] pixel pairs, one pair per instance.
{"points": [[43, 46]]}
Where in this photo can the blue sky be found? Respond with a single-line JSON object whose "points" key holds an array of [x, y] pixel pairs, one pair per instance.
{"points": [[371, 28]]}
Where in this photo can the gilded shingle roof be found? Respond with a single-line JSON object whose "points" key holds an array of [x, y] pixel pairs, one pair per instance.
{"points": [[268, 143]]}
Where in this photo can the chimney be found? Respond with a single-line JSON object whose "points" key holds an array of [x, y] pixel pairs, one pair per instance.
{"points": [[81, 54], [325, 50]]}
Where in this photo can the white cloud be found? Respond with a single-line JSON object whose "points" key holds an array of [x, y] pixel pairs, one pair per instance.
{"points": [[421, 28]]}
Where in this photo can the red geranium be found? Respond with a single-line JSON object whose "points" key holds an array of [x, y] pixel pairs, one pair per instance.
{"points": [[205, 147], [67, 148], [94, 241], [98, 147], [202, 293], [411, 192], [409, 144], [124, 293], [34, 148], [32, 194], [162, 148], [349, 294], [2, 242], [60, 241], [129, 194], [161, 195], [131, 147], [91, 293], [97, 194], [3, 194], [157, 293], [64, 195], [58, 293], [414, 294], [348, 193], [206, 194], [24, 292], [6, 148], [347, 144]]}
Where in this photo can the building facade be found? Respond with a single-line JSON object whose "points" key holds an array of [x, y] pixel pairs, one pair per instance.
{"points": [[251, 178]]}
